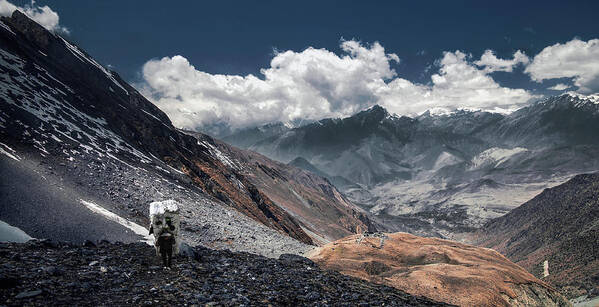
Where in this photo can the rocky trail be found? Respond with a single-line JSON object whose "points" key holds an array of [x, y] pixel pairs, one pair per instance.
{"points": [[114, 274]]}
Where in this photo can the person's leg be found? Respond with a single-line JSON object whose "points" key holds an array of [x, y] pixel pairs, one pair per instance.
{"points": [[164, 257], [169, 251]]}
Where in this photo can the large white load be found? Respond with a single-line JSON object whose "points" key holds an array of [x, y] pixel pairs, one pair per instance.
{"points": [[165, 219]]}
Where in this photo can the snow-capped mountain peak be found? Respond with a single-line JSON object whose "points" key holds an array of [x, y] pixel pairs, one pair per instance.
{"points": [[592, 98]]}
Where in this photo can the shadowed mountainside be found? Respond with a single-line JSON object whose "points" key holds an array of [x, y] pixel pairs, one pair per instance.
{"points": [[55, 100], [561, 226]]}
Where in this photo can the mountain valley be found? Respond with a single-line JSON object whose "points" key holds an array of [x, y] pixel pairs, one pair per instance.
{"points": [[442, 174]]}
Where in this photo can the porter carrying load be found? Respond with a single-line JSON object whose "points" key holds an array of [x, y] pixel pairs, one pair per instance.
{"points": [[165, 224]]}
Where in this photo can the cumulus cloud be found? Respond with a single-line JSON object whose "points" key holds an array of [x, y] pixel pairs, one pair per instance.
{"points": [[575, 59], [43, 15], [317, 83], [458, 84], [491, 63], [559, 87]]}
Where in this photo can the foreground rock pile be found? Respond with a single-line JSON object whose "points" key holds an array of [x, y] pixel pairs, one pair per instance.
{"points": [[51, 273]]}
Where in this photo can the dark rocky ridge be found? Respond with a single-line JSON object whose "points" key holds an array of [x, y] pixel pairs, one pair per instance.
{"points": [[48, 273]]}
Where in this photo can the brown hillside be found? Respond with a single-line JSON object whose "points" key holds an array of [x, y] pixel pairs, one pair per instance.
{"points": [[442, 270]]}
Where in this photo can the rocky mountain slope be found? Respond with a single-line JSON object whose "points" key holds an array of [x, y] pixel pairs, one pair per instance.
{"points": [[91, 199], [92, 138], [249, 136], [59, 274], [560, 226], [441, 174], [444, 270], [317, 204]]}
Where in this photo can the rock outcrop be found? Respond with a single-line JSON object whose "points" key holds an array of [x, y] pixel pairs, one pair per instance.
{"points": [[442, 270]]}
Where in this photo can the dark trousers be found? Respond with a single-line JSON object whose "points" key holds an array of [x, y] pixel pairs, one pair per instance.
{"points": [[167, 255], [166, 249]]}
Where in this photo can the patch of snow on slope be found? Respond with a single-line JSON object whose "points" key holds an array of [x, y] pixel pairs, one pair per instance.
{"points": [[5, 26], [495, 156], [48, 103], [594, 98], [9, 233], [299, 197], [154, 117], [9, 152], [439, 111], [55, 138], [446, 159], [218, 154], [83, 58], [142, 231], [175, 170], [48, 75], [6, 57]]}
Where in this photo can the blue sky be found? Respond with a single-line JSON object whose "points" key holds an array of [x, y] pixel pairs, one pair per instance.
{"points": [[237, 37], [243, 37]]}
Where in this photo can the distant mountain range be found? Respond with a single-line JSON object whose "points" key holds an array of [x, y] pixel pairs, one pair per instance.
{"points": [[441, 174]]}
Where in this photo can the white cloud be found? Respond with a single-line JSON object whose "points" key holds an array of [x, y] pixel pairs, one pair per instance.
{"points": [[559, 87], [43, 15], [317, 83], [458, 84], [575, 59], [492, 63]]}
